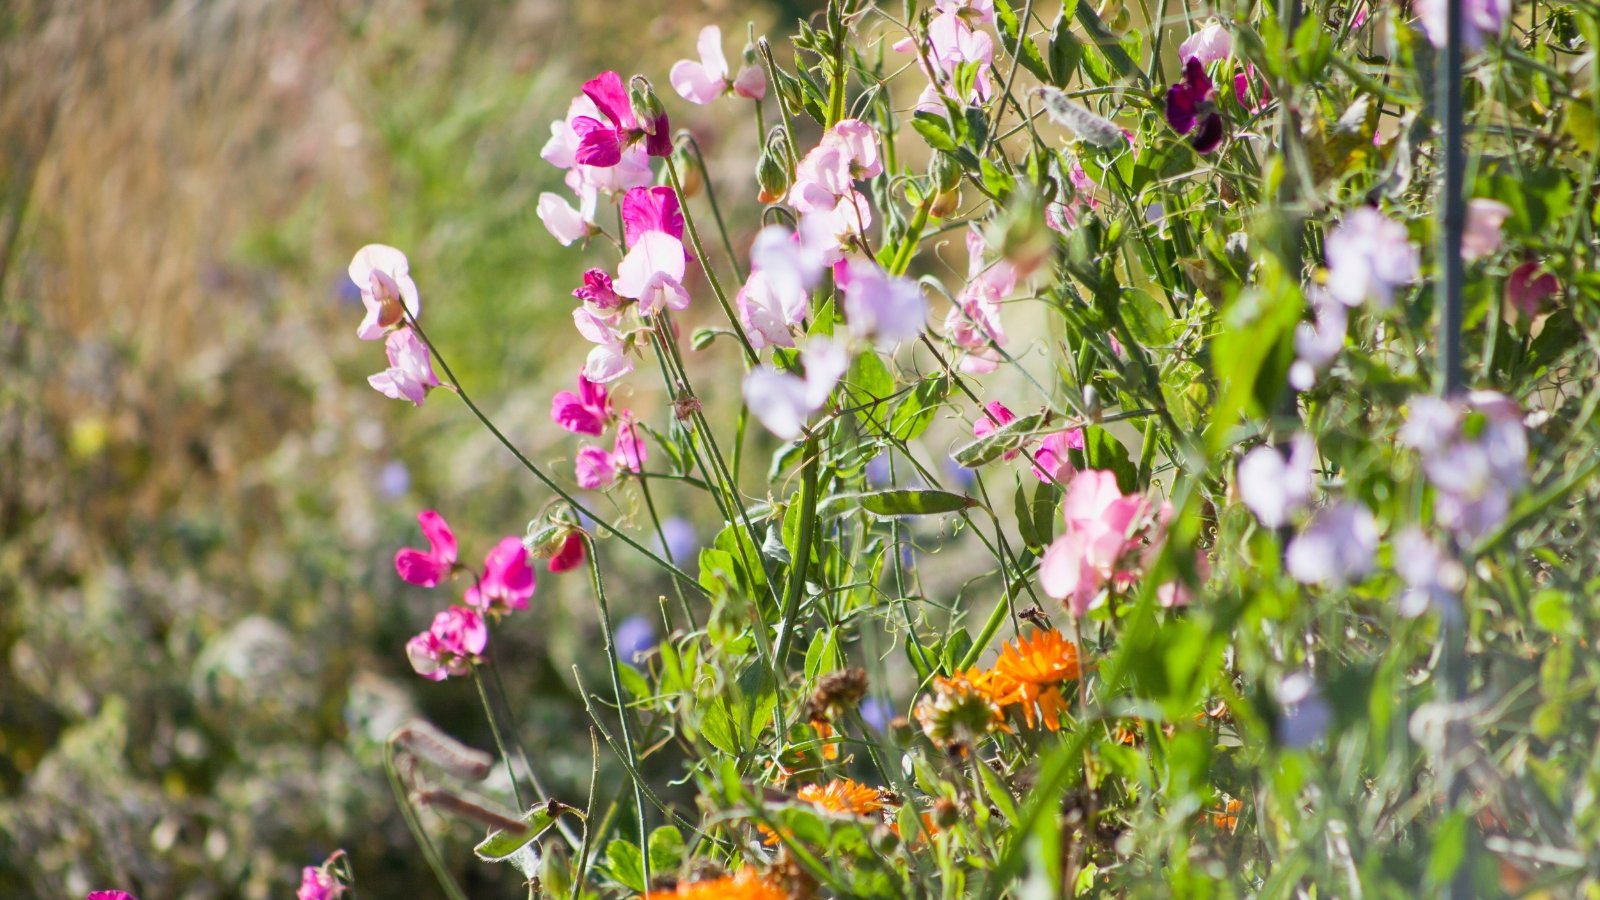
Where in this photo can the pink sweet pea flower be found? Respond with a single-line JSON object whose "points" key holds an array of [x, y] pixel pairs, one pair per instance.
{"points": [[1482, 235], [784, 268], [428, 568], [410, 373], [1050, 461], [595, 468], [996, 416], [110, 895], [384, 276], [586, 412], [704, 81], [609, 359], [1207, 45], [1529, 289], [564, 222], [974, 322], [507, 582], [784, 402], [1369, 256], [652, 270], [650, 209], [1098, 533], [824, 179], [1243, 79], [954, 40], [601, 144], [457, 636], [882, 307], [629, 452], [570, 555]]}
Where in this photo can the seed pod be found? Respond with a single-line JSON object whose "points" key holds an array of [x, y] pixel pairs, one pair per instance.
{"points": [[424, 741], [944, 171], [1088, 126]]}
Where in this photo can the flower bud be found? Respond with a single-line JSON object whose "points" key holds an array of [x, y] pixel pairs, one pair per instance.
{"points": [[945, 812], [946, 203], [1091, 403], [772, 169], [690, 173], [646, 105]]}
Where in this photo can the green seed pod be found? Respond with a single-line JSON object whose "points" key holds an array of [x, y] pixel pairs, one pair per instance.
{"points": [[945, 172]]}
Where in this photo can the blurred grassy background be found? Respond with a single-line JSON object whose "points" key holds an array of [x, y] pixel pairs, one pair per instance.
{"points": [[200, 629]]}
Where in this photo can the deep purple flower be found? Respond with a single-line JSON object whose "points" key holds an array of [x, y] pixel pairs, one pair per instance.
{"points": [[601, 143], [1191, 110], [597, 290]]}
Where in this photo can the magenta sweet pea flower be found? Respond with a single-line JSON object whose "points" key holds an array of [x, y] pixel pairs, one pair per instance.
{"points": [[429, 568], [595, 468], [570, 555], [317, 884], [410, 373], [1247, 81], [601, 143], [629, 451], [597, 291], [1051, 462], [384, 276], [1529, 289], [784, 402], [586, 412], [457, 636], [507, 582], [110, 895], [996, 416], [1191, 110], [652, 270]]}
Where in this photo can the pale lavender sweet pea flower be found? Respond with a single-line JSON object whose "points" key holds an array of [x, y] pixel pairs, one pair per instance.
{"points": [[1482, 20], [1305, 716], [1337, 547], [1317, 343], [1276, 487], [1433, 578], [877, 713], [410, 373], [1208, 45], [1475, 454], [384, 276], [886, 308], [1369, 256], [784, 402], [682, 540]]}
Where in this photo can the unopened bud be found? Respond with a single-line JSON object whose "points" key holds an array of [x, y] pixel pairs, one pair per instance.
{"points": [[1091, 403], [692, 181], [772, 169], [646, 105], [946, 203]]}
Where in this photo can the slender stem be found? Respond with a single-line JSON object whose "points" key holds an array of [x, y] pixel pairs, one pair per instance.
{"points": [[499, 740], [430, 853], [711, 199], [588, 817], [623, 714], [538, 473], [1449, 378], [802, 555], [705, 264]]}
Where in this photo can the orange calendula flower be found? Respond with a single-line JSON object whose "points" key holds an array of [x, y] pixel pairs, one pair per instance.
{"points": [[1031, 672], [1228, 816], [743, 885], [826, 733], [842, 795]]}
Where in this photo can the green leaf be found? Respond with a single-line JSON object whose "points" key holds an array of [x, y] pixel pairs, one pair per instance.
{"points": [[1552, 610], [955, 650], [500, 845], [935, 130], [915, 413], [1065, 50], [666, 849], [1106, 42], [906, 502], [1101, 450], [869, 385], [716, 726], [999, 183], [1449, 847], [1002, 440], [1011, 31], [625, 862]]}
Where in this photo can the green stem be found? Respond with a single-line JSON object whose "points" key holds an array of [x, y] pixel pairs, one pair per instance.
{"points": [[499, 740], [705, 265], [622, 703], [797, 570]]}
